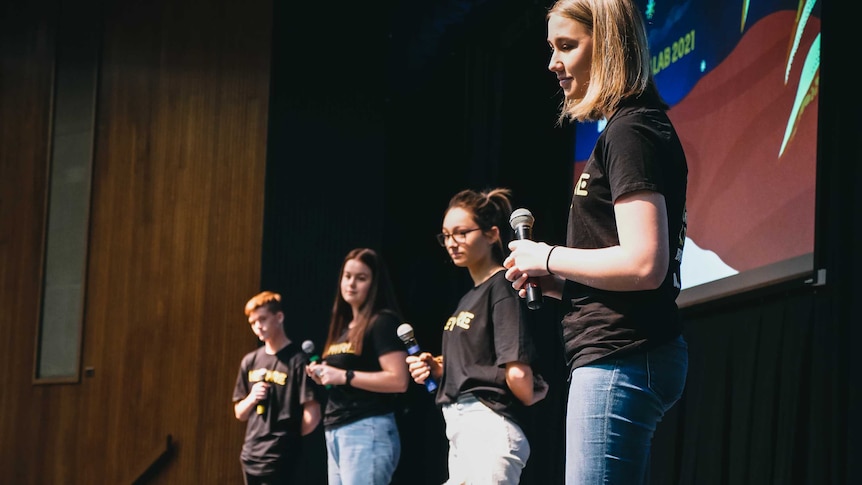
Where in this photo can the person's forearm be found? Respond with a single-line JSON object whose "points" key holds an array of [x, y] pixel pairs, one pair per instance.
{"points": [[552, 286], [612, 268], [242, 409], [381, 381], [310, 417], [519, 378]]}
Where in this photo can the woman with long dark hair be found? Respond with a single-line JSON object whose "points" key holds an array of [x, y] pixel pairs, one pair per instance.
{"points": [[364, 370]]}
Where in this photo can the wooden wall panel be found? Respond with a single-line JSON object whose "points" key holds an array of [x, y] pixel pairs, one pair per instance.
{"points": [[175, 244], [26, 51]]}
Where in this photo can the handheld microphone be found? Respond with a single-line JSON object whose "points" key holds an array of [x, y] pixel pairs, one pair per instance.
{"points": [[308, 348], [405, 333], [521, 221], [261, 407]]}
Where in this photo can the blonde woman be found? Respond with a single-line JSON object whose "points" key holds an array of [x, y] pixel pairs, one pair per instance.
{"points": [[618, 275]]}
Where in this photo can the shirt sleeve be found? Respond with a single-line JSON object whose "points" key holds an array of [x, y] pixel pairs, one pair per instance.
{"points": [[512, 341], [632, 152], [241, 388], [384, 333]]}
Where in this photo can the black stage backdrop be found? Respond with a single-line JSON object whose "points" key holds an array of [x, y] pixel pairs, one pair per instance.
{"points": [[381, 111]]}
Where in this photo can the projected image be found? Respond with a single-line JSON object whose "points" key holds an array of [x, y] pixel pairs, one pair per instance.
{"points": [[742, 80]]}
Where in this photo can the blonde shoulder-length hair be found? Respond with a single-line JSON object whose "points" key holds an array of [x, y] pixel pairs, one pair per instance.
{"points": [[620, 67]]}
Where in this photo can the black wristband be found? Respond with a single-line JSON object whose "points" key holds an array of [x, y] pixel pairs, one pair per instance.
{"points": [[548, 260], [348, 376]]}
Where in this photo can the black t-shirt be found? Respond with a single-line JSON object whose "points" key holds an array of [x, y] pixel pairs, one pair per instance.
{"points": [[638, 150], [347, 404], [275, 435], [486, 331]]}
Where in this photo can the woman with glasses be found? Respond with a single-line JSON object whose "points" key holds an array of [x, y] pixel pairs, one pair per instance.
{"points": [[484, 373]]}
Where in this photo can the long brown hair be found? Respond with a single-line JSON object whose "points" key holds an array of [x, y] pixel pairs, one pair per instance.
{"points": [[381, 297]]}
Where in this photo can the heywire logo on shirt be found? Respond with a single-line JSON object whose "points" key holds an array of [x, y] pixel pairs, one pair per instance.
{"points": [[267, 375], [462, 320], [581, 186]]}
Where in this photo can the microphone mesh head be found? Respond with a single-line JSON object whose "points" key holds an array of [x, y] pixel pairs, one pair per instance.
{"points": [[521, 216], [405, 331], [308, 346]]}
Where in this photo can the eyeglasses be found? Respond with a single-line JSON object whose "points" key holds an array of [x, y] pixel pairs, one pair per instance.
{"points": [[460, 237]]}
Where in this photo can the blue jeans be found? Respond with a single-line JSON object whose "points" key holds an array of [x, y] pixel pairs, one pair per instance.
{"points": [[363, 452], [484, 447], [612, 412]]}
